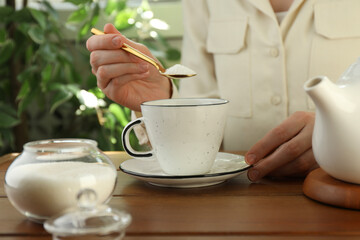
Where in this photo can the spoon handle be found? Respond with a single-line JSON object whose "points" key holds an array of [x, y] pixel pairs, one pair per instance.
{"points": [[133, 51], [143, 56]]}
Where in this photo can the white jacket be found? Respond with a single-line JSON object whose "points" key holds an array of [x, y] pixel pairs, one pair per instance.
{"points": [[242, 54]]}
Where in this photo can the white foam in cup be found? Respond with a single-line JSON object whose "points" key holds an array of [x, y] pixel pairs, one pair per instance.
{"points": [[185, 133]]}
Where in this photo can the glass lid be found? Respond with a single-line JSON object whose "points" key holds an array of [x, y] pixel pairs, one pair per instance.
{"points": [[88, 218]]}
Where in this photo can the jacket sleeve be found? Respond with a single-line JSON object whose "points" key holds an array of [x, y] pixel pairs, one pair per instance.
{"points": [[194, 53]]}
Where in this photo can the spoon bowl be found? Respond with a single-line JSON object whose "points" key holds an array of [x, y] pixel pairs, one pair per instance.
{"points": [[177, 71]]}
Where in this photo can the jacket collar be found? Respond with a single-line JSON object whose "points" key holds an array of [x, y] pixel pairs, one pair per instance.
{"points": [[265, 6]]}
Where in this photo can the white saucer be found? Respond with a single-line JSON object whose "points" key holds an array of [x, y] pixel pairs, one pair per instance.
{"points": [[226, 166]]}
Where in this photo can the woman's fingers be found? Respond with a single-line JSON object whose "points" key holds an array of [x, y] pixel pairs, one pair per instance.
{"points": [[105, 42], [298, 167], [105, 73], [111, 40], [277, 136], [286, 143], [123, 77], [286, 153], [109, 28], [103, 57], [133, 89]]}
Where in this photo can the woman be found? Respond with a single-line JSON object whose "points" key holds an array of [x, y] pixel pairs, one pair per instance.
{"points": [[257, 54]]}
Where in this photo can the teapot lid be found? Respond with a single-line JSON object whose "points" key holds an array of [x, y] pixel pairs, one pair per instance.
{"points": [[351, 75], [88, 218]]}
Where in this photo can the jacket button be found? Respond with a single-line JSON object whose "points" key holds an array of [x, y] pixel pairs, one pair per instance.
{"points": [[274, 52], [275, 100]]}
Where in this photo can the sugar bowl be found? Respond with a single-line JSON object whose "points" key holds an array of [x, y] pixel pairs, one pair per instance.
{"points": [[46, 177]]}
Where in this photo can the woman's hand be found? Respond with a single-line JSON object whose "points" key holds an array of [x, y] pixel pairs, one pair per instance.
{"points": [[286, 150], [124, 78]]}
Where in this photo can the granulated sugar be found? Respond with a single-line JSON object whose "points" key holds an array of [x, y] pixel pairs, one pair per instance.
{"points": [[45, 189], [178, 69]]}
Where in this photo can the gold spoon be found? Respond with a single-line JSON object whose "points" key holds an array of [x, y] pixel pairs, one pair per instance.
{"points": [[176, 71]]}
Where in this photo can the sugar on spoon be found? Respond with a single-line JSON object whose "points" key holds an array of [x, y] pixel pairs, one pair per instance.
{"points": [[176, 71]]}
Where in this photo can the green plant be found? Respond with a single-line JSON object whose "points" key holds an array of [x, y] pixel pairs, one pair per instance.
{"points": [[46, 89], [36, 68]]}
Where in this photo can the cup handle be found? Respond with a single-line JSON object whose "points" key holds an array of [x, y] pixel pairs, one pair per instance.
{"points": [[126, 142]]}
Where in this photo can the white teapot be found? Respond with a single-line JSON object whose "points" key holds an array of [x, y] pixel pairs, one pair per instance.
{"points": [[336, 136]]}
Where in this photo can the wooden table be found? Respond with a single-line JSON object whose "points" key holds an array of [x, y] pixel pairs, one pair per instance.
{"points": [[236, 209]]}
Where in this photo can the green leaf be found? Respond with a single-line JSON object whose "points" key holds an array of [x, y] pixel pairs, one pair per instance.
{"points": [[48, 52], [46, 76], [73, 88], [36, 34], [118, 113], [49, 9], [62, 96], [97, 92], [5, 12], [8, 121], [27, 73], [173, 54], [3, 35], [54, 86], [110, 121], [24, 90], [39, 16], [22, 16], [24, 28], [95, 15], [6, 50], [122, 19], [29, 53], [127, 113], [91, 81], [25, 102], [7, 109], [115, 5], [78, 2], [74, 75], [84, 30], [65, 57], [7, 138], [4, 81], [78, 16]]}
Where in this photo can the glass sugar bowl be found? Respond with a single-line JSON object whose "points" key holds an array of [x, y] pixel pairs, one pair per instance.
{"points": [[46, 177]]}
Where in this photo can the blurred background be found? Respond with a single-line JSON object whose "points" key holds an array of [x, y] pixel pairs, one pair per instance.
{"points": [[46, 86]]}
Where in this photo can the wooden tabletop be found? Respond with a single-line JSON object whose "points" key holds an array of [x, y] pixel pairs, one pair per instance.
{"points": [[235, 209]]}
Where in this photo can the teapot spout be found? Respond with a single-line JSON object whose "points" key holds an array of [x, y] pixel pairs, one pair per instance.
{"points": [[327, 96]]}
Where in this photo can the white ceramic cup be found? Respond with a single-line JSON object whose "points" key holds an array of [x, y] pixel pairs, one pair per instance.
{"points": [[185, 133]]}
